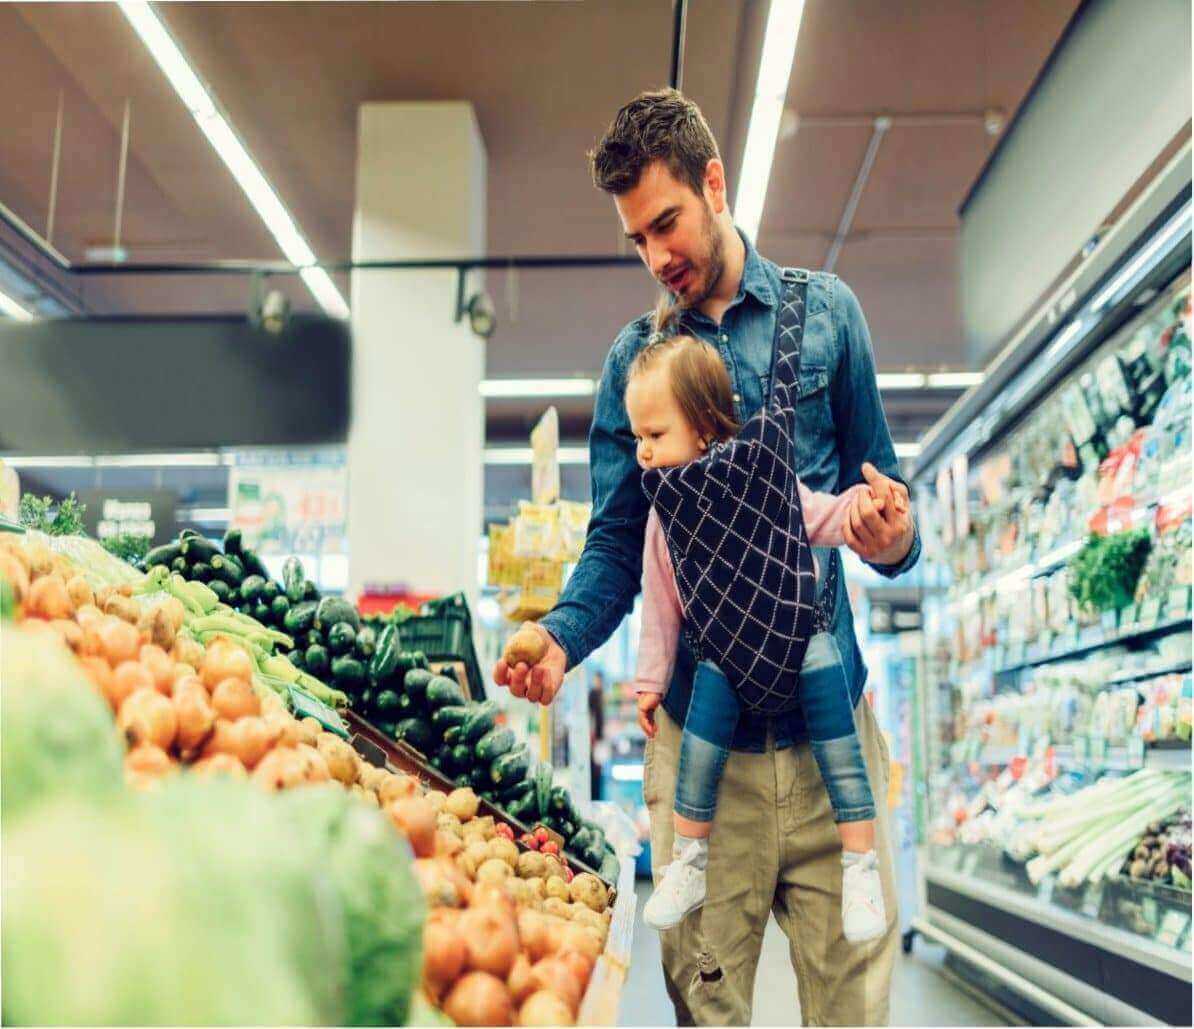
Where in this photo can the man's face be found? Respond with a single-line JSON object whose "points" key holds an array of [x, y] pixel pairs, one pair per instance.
{"points": [[675, 234]]}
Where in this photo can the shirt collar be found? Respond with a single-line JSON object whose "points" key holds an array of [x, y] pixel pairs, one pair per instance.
{"points": [[754, 275]]}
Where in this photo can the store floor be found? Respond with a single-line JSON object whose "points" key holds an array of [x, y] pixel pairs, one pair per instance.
{"points": [[923, 993]]}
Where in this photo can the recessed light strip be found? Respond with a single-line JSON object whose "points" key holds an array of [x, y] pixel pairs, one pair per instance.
{"points": [[503, 388], [13, 309], [771, 92], [220, 133]]}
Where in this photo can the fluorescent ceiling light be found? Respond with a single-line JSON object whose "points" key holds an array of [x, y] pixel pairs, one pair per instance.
{"points": [[900, 380], [538, 388], [227, 144], [205, 515], [907, 449], [10, 307], [197, 459], [954, 380], [1066, 337], [57, 461], [1179, 223], [523, 455], [771, 92]]}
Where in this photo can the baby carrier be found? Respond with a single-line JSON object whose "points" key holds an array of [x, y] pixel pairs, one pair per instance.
{"points": [[735, 531]]}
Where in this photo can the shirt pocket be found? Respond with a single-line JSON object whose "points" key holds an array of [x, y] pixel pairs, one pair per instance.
{"points": [[814, 417]]}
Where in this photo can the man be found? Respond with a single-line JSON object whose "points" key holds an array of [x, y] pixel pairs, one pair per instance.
{"points": [[773, 847]]}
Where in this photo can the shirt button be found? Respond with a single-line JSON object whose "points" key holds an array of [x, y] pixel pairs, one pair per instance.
{"points": [[737, 398]]}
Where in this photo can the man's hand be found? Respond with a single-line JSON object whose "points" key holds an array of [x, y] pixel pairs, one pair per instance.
{"points": [[647, 703], [879, 526], [541, 683]]}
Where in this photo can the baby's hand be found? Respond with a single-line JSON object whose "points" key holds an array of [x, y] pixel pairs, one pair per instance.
{"points": [[647, 703]]}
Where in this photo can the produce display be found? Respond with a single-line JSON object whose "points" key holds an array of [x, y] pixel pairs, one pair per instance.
{"points": [[148, 730]]}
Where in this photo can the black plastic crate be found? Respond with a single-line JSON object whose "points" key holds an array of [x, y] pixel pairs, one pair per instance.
{"points": [[443, 630]]}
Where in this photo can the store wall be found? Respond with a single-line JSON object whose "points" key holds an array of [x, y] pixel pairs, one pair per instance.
{"points": [[1114, 95], [416, 444]]}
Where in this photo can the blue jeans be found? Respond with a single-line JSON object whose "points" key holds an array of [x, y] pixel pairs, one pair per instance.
{"points": [[825, 700]]}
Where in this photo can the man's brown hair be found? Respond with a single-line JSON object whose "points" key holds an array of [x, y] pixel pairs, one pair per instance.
{"points": [[663, 125]]}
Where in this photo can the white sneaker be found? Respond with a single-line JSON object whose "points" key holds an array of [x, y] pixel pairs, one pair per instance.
{"points": [[680, 890], [863, 915]]}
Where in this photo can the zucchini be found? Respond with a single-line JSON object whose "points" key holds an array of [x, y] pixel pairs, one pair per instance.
{"points": [[296, 658], [416, 682], [481, 719], [543, 777], [221, 590], [341, 637], [200, 572], [410, 659], [559, 805], [463, 780], [385, 656], [451, 717], [348, 672], [334, 610], [314, 638], [179, 564], [310, 590], [462, 755], [261, 612], [364, 701], [199, 549], [293, 579], [451, 734], [298, 619], [417, 733], [565, 827], [519, 789], [523, 808], [593, 855], [166, 555], [386, 703], [186, 534], [493, 745], [406, 706], [233, 541], [510, 767], [317, 660], [269, 590], [253, 564], [366, 643], [250, 588], [279, 609], [229, 569], [441, 691], [479, 778]]}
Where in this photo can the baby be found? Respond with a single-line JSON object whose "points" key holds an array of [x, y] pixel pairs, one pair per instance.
{"points": [[679, 402]]}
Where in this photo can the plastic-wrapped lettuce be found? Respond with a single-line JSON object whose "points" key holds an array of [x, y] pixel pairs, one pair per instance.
{"points": [[370, 865], [193, 907], [57, 734]]}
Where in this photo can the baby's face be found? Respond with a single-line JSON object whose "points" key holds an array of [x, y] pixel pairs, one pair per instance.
{"points": [[664, 437]]}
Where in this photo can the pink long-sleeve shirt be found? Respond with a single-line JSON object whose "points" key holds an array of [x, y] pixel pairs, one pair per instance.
{"points": [[824, 516]]}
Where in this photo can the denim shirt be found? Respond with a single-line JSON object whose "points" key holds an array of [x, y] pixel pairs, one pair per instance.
{"points": [[840, 424]]}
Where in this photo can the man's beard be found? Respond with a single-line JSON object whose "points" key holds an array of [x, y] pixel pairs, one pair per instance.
{"points": [[713, 262]]}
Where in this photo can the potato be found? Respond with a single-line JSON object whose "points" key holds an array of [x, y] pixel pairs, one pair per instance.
{"points": [[504, 849], [341, 759], [587, 889], [437, 800], [463, 803], [520, 892], [396, 787], [494, 870], [554, 867], [538, 887], [532, 864], [556, 887], [555, 906], [527, 646], [479, 828], [582, 915], [473, 857], [445, 821], [447, 844]]}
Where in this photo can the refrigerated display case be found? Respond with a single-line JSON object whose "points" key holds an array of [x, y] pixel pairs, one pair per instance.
{"points": [[1055, 505]]}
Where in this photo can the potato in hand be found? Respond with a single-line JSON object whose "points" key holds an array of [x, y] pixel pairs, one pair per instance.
{"points": [[528, 646]]}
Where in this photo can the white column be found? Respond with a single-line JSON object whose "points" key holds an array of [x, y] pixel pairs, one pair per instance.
{"points": [[415, 449]]}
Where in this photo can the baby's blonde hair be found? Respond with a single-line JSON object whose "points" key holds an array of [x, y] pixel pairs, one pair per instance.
{"points": [[696, 373]]}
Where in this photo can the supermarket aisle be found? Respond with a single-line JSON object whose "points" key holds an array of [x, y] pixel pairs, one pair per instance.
{"points": [[922, 996]]}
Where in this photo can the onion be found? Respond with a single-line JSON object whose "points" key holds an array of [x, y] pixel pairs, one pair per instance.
{"points": [[519, 979], [557, 977], [148, 717], [414, 818], [48, 598], [444, 955], [220, 764], [581, 965], [280, 769], [127, 678], [147, 760], [544, 1008], [79, 591], [225, 660], [438, 888], [314, 765], [100, 673], [71, 633], [196, 718], [534, 932], [253, 739], [491, 938], [234, 698], [479, 998], [118, 640], [160, 667], [181, 673], [580, 938]]}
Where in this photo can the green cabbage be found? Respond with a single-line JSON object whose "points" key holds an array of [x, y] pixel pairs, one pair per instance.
{"points": [[370, 865], [56, 733]]}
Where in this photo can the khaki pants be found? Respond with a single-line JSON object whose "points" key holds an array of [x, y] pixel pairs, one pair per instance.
{"points": [[774, 849]]}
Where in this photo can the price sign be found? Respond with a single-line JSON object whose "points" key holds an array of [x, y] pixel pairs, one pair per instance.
{"points": [[1093, 900], [1172, 926]]}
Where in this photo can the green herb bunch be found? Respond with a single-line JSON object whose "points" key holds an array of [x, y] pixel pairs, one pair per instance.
{"points": [[1104, 573], [127, 546], [67, 519]]}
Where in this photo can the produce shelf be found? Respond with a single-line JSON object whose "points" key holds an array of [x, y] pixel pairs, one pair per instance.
{"points": [[1164, 668], [601, 1000], [1096, 638], [1170, 757]]}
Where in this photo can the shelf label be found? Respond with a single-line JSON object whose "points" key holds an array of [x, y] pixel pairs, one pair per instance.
{"points": [[1172, 926], [969, 862], [1045, 893], [1093, 900], [1110, 621], [1179, 600], [1150, 611], [1135, 752], [1148, 911], [1097, 749]]}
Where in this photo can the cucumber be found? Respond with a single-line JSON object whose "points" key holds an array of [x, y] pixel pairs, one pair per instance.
{"points": [[179, 564], [317, 660], [250, 588], [366, 643], [166, 555], [493, 745], [299, 618], [462, 755], [416, 682], [227, 568], [253, 564], [261, 612], [348, 672], [199, 549], [334, 610], [233, 541], [221, 590], [293, 579], [200, 572], [310, 590], [510, 767], [441, 691], [269, 590], [187, 534], [341, 637], [315, 638], [452, 735], [523, 808], [451, 717], [479, 777], [543, 777], [406, 707], [279, 609], [481, 719], [385, 656], [410, 659], [560, 806], [520, 789], [364, 701], [447, 763], [463, 780], [564, 826], [386, 703], [417, 733], [298, 659]]}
